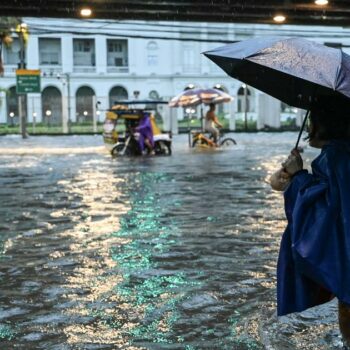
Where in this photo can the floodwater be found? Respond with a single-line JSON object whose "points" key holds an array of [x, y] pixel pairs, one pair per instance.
{"points": [[146, 253]]}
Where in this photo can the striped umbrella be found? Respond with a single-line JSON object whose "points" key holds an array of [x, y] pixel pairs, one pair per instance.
{"points": [[194, 97]]}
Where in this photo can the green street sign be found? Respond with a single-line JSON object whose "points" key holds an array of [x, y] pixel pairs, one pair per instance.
{"points": [[28, 81]]}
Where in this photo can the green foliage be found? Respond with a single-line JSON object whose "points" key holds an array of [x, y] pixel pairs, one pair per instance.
{"points": [[7, 24]]}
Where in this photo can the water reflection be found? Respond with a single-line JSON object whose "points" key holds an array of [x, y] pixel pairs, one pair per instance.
{"points": [[159, 253]]}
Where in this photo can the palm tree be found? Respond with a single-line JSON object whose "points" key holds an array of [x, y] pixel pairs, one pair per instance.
{"points": [[7, 26]]}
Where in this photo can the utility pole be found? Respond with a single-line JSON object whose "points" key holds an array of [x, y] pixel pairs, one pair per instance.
{"points": [[22, 98]]}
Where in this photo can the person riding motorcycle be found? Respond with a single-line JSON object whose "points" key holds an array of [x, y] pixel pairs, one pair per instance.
{"points": [[144, 134]]}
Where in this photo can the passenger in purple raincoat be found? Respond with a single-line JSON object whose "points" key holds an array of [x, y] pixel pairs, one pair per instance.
{"points": [[146, 134], [314, 260]]}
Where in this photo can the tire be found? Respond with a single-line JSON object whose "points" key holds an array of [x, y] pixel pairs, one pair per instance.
{"points": [[162, 148], [227, 142], [199, 142], [116, 151]]}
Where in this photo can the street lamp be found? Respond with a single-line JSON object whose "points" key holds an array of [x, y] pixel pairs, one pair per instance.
{"points": [[11, 115], [189, 111]]}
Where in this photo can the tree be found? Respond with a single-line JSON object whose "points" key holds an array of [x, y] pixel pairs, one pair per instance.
{"points": [[7, 27]]}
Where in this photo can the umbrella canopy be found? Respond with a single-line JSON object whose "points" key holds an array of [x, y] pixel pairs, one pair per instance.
{"points": [[294, 70], [194, 97]]}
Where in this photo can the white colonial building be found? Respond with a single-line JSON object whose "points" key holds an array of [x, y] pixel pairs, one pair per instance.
{"points": [[89, 64]]}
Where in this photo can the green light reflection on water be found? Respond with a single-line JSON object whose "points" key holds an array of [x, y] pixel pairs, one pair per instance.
{"points": [[7, 332], [150, 233], [145, 288]]}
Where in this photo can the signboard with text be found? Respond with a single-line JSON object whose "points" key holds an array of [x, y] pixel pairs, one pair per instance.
{"points": [[28, 81]]}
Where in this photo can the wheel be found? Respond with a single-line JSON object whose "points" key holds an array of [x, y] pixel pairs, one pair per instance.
{"points": [[199, 142], [227, 142], [116, 151], [162, 148]]}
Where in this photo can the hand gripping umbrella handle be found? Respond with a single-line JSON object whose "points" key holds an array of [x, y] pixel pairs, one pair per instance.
{"points": [[302, 129]]}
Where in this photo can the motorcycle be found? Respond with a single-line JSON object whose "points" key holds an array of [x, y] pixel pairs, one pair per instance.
{"points": [[126, 143]]}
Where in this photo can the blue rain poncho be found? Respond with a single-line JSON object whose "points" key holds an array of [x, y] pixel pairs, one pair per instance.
{"points": [[314, 258]]}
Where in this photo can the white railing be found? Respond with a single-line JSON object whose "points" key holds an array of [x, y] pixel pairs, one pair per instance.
{"points": [[190, 69], [10, 69], [50, 71], [84, 69], [121, 69]]}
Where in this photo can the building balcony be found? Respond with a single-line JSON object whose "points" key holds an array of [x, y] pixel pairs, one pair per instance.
{"points": [[120, 69], [10, 69], [50, 71], [191, 69], [84, 69]]}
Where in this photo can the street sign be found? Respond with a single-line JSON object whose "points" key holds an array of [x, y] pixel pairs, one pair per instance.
{"points": [[28, 81]]}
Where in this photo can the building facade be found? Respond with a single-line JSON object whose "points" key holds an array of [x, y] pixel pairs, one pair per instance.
{"points": [[86, 66]]}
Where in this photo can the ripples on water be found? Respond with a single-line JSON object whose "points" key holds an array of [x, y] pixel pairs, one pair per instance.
{"points": [[156, 253]]}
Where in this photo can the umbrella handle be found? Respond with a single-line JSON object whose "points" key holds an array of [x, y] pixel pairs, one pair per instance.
{"points": [[302, 129]]}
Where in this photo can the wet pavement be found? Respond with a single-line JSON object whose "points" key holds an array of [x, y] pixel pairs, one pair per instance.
{"points": [[146, 253]]}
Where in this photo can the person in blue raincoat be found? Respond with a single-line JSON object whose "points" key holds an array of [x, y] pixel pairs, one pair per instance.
{"points": [[314, 259]]}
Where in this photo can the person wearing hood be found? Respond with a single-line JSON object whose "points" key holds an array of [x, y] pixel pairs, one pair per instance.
{"points": [[145, 137], [314, 259]]}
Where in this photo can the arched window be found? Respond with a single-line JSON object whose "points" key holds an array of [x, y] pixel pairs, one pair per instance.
{"points": [[117, 93], [84, 103], [153, 95], [51, 101], [152, 53], [12, 106], [243, 103]]}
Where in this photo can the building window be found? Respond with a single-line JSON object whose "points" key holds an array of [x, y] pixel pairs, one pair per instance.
{"points": [[49, 51], [51, 100], [117, 55], [152, 53], [84, 52], [243, 103], [11, 53], [12, 106], [84, 104], [153, 95], [117, 94]]}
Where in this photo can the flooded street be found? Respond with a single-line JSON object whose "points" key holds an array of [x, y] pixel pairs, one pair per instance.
{"points": [[152, 253]]}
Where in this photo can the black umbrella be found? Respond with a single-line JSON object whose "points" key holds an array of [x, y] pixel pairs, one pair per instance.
{"points": [[294, 70]]}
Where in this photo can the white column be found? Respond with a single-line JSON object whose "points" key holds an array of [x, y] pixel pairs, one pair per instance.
{"points": [[101, 54], [67, 54], [232, 121], [3, 109], [269, 112], [33, 49], [94, 119], [300, 116], [170, 119], [64, 113]]}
